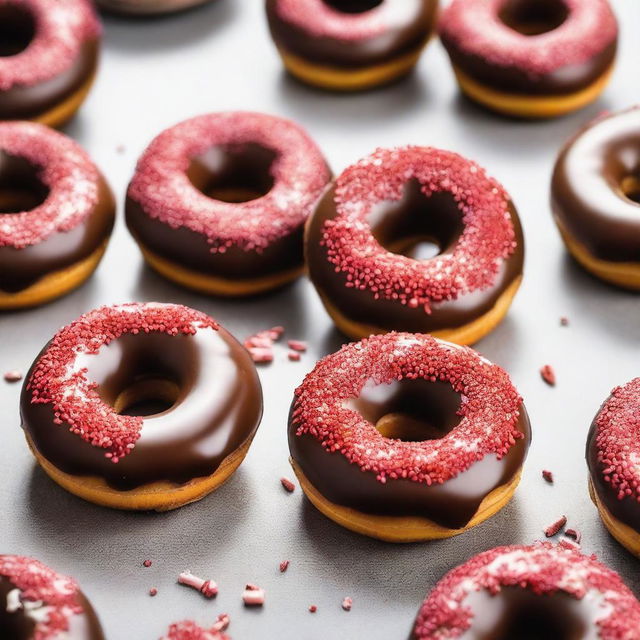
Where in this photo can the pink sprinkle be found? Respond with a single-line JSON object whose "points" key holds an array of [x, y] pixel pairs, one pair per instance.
{"points": [[261, 355], [208, 588], [548, 375], [276, 332], [120, 148], [253, 596], [297, 345], [547, 475], [288, 485], [564, 321], [294, 356], [575, 534], [222, 622], [347, 603], [147, 563], [13, 376], [312, 608], [555, 528], [153, 592], [284, 565]]}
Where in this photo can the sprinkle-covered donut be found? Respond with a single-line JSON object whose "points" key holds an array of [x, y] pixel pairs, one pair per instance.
{"points": [[56, 214], [541, 591], [404, 437], [218, 203], [40, 604], [148, 7], [416, 239], [531, 58], [350, 44], [595, 196], [48, 58], [613, 455], [189, 630], [141, 406]]}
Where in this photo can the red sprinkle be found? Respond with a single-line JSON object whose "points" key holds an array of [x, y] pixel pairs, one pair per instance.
{"points": [[300, 174], [575, 534], [53, 598], [288, 485], [312, 608], [208, 588], [347, 603], [487, 240], [548, 476], [564, 321], [320, 407], [76, 403], [555, 527], [147, 563], [189, 630], [297, 345], [260, 344], [13, 376], [222, 622], [253, 596], [294, 356], [153, 592], [284, 565], [544, 569], [548, 375]]}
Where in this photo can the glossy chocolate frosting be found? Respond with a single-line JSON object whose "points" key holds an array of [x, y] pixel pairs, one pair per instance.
{"points": [[21, 190], [626, 510], [393, 42], [231, 175], [199, 394], [413, 410], [531, 18], [28, 102], [515, 613], [18, 625], [418, 227], [595, 191]]}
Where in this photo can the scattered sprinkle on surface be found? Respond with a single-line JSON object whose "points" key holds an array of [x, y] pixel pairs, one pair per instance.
{"points": [[555, 527], [564, 321], [575, 534], [253, 596], [543, 568], [347, 603], [547, 475], [76, 403], [208, 588], [548, 375], [189, 630], [488, 414], [153, 592], [13, 376], [488, 237], [284, 565], [147, 563], [288, 486], [312, 608]]}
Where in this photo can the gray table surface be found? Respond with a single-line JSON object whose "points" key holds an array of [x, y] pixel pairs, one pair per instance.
{"points": [[155, 73]]}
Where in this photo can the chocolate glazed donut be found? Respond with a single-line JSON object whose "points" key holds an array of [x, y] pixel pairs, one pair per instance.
{"points": [[595, 197]]}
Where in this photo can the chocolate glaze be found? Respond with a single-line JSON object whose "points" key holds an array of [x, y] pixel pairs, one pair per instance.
{"points": [[233, 174], [21, 190], [430, 221], [24, 103], [594, 191], [416, 410], [19, 626], [392, 43], [519, 613], [207, 381], [626, 510], [531, 18]]}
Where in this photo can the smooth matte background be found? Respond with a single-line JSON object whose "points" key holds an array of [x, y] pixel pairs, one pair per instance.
{"points": [[157, 72]]}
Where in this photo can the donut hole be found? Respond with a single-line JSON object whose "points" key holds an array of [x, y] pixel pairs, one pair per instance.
{"points": [[21, 188], [17, 29], [533, 17], [417, 226], [630, 186], [147, 397], [233, 173], [520, 613], [409, 410], [353, 6]]}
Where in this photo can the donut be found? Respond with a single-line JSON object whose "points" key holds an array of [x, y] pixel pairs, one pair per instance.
{"points": [[40, 604], [612, 456], [349, 45], [404, 438], [537, 591], [415, 239], [189, 630], [531, 58], [56, 215], [148, 7], [595, 197], [48, 58], [141, 406], [218, 203]]}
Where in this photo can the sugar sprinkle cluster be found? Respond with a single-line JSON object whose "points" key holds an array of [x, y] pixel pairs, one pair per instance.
{"points": [[164, 191], [488, 237], [76, 404], [46, 596], [475, 27], [189, 630], [616, 440], [544, 569], [61, 30], [64, 167], [489, 410]]}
